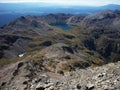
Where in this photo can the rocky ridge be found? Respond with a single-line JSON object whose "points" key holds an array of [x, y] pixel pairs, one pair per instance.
{"points": [[93, 78], [97, 78]]}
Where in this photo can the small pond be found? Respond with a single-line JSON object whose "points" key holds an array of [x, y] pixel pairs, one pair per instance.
{"points": [[62, 26]]}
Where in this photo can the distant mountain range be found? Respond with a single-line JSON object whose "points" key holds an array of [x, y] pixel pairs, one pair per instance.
{"points": [[111, 7], [9, 12]]}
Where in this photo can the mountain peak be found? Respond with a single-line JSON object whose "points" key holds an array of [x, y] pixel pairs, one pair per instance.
{"points": [[111, 7]]}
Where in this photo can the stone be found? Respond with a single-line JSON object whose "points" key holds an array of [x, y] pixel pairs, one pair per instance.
{"points": [[90, 87], [50, 88], [78, 86], [40, 88], [48, 85]]}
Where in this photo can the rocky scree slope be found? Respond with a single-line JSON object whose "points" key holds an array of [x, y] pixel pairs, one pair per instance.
{"points": [[22, 75]]}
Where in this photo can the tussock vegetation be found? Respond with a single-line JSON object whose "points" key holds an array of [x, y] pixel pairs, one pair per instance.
{"points": [[73, 64]]}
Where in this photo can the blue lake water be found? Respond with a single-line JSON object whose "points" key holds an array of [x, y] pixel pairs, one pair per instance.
{"points": [[62, 26]]}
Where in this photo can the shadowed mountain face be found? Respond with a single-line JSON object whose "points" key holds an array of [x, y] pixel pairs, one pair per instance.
{"points": [[104, 30]]}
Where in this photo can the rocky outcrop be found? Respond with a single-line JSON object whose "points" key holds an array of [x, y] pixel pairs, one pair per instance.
{"points": [[104, 77], [20, 76]]}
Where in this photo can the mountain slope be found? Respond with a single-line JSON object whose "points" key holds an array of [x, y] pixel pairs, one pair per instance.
{"points": [[34, 30], [30, 33], [103, 29], [31, 47]]}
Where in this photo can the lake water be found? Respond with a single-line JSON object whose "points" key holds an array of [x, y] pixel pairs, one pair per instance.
{"points": [[62, 26]]}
